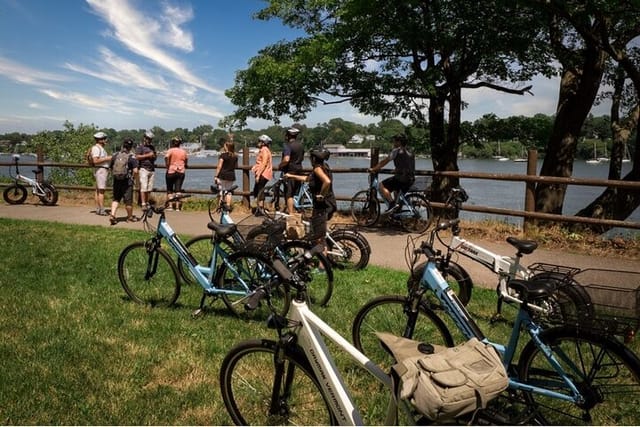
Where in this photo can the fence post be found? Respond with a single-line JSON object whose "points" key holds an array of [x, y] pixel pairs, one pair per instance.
{"points": [[530, 188], [246, 180], [40, 161], [375, 155]]}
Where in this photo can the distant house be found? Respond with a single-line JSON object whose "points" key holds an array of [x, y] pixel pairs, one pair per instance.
{"points": [[359, 138], [342, 151]]}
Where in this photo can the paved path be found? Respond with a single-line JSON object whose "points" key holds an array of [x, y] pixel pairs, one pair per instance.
{"points": [[388, 247]]}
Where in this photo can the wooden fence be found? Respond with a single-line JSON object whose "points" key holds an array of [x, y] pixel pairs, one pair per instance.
{"points": [[530, 180]]}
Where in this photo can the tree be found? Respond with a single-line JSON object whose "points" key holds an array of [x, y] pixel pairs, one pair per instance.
{"points": [[392, 59]]}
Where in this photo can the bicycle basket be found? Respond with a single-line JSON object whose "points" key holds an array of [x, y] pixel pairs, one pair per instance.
{"points": [[614, 307], [266, 236]]}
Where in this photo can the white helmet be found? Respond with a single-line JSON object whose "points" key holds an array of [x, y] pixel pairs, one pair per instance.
{"points": [[149, 134], [264, 139], [100, 135], [293, 131]]}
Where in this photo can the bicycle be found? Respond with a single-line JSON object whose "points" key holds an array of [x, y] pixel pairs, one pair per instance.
{"points": [[274, 197], [16, 193], [564, 374], [414, 213], [506, 267], [294, 379], [149, 275], [316, 271]]}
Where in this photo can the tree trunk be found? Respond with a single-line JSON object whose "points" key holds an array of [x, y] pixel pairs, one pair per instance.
{"points": [[578, 89]]}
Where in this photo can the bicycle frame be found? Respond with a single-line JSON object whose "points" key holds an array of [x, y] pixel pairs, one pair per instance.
{"points": [[432, 279], [399, 199], [204, 274], [311, 331], [36, 188]]}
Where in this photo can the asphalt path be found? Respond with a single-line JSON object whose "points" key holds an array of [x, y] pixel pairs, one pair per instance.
{"points": [[387, 246]]}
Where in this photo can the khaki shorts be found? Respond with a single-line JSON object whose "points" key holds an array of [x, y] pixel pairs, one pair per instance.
{"points": [[101, 174], [146, 180]]}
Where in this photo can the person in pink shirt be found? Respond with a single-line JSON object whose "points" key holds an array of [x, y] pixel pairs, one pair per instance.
{"points": [[263, 171], [176, 160]]}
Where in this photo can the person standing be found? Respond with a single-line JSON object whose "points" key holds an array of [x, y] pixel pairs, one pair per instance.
{"points": [[226, 170], [125, 168], [263, 172], [321, 188], [404, 162], [101, 164], [292, 157], [146, 157], [176, 159]]}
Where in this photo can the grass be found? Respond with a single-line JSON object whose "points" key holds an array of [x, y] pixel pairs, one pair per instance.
{"points": [[75, 350]]}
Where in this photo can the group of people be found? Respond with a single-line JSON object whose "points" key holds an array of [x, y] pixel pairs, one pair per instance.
{"points": [[129, 167], [140, 167]]}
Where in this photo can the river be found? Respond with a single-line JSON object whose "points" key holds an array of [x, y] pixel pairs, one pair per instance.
{"points": [[499, 194]]}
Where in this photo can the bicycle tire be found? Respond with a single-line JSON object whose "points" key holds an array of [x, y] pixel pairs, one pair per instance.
{"points": [[162, 289], [316, 271], [423, 215], [605, 371], [389, 313], [15, 194], [50, 197], [353, 251], [569, 301], [247, 377], [254, 271], [455, 275], [365, 209], [201, 247]]}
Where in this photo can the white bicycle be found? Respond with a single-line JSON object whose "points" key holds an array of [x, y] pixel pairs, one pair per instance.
{"points": [[16, 193], [294, 380]]}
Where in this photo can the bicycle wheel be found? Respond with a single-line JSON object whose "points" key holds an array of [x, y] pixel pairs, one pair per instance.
{"points": [[50, 197], [605, 372], [15, 194], [315, 272], [347, 250], [365, 209], [390, 313], [569, 301], [255, 392], [420, 219], [201, 247], [273, 196], [456, 276], [245, 272], [148, 277]]}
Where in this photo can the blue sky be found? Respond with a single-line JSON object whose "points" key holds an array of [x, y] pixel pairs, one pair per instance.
{"points": [[134, 64]]}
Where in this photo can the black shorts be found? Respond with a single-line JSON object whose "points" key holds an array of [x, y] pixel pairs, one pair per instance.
{"points": [[123, 191], [292, 186], [396, 183], [174, 182]]}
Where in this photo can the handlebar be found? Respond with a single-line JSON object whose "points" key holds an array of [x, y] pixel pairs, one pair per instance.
{"points": [[160, 209]]}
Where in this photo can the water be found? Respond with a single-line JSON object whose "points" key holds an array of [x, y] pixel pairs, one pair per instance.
{"points": [[499, 194]]}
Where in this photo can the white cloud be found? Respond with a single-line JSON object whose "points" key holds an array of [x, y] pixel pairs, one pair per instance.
{"points": [[26, 75], [115, 69], [143, 35]]}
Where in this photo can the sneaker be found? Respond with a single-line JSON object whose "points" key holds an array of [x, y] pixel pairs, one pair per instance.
{"points": [[113, 220], [170, 209], [144, 207], [102, 212]]}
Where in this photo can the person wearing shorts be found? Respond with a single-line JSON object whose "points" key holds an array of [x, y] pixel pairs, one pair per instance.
{"points": [[101, 161], [403, 174], [291, 164], [226, 170], [176, 160], [146, 157], [123, 188], [263, 172]]}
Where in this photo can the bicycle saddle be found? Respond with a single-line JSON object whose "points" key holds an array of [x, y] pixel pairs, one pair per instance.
{"points": [[531, 290], [222, 230], [523, 246]]}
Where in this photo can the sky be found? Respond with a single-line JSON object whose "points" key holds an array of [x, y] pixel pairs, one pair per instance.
{"points": [[135, 64]]}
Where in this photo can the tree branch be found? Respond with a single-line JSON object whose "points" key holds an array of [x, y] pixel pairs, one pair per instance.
{"points": [[522, 91]]}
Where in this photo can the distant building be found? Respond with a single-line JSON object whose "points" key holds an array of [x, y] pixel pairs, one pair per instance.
{"points": [[342, 151], [359, 138]]}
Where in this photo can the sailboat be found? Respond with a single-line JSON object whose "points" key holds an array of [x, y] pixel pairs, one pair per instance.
{"points": [[499, 157], [594, 160], [604, 158], [522, 157], [627, 156]]}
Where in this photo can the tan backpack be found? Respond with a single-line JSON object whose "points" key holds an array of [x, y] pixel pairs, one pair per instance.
{"points": [[449, 382], [89, 156]]}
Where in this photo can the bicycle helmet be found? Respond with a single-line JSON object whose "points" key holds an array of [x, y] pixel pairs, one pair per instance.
{"points": [[264, 139], [100, 135], [148, 134], [127, 144], [293, 132], [321, 154], [176, 141]]}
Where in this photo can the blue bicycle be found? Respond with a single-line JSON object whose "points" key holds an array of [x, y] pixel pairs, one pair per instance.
{"points": [[149, 275], [414, 212], [274, 197], [575, 373]]}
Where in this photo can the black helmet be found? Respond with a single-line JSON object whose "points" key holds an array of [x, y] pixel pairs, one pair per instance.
{"points": [[127, 144], [321, 154]]}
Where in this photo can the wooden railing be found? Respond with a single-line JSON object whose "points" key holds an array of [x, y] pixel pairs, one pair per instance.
{"points": [[530, 179]]}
